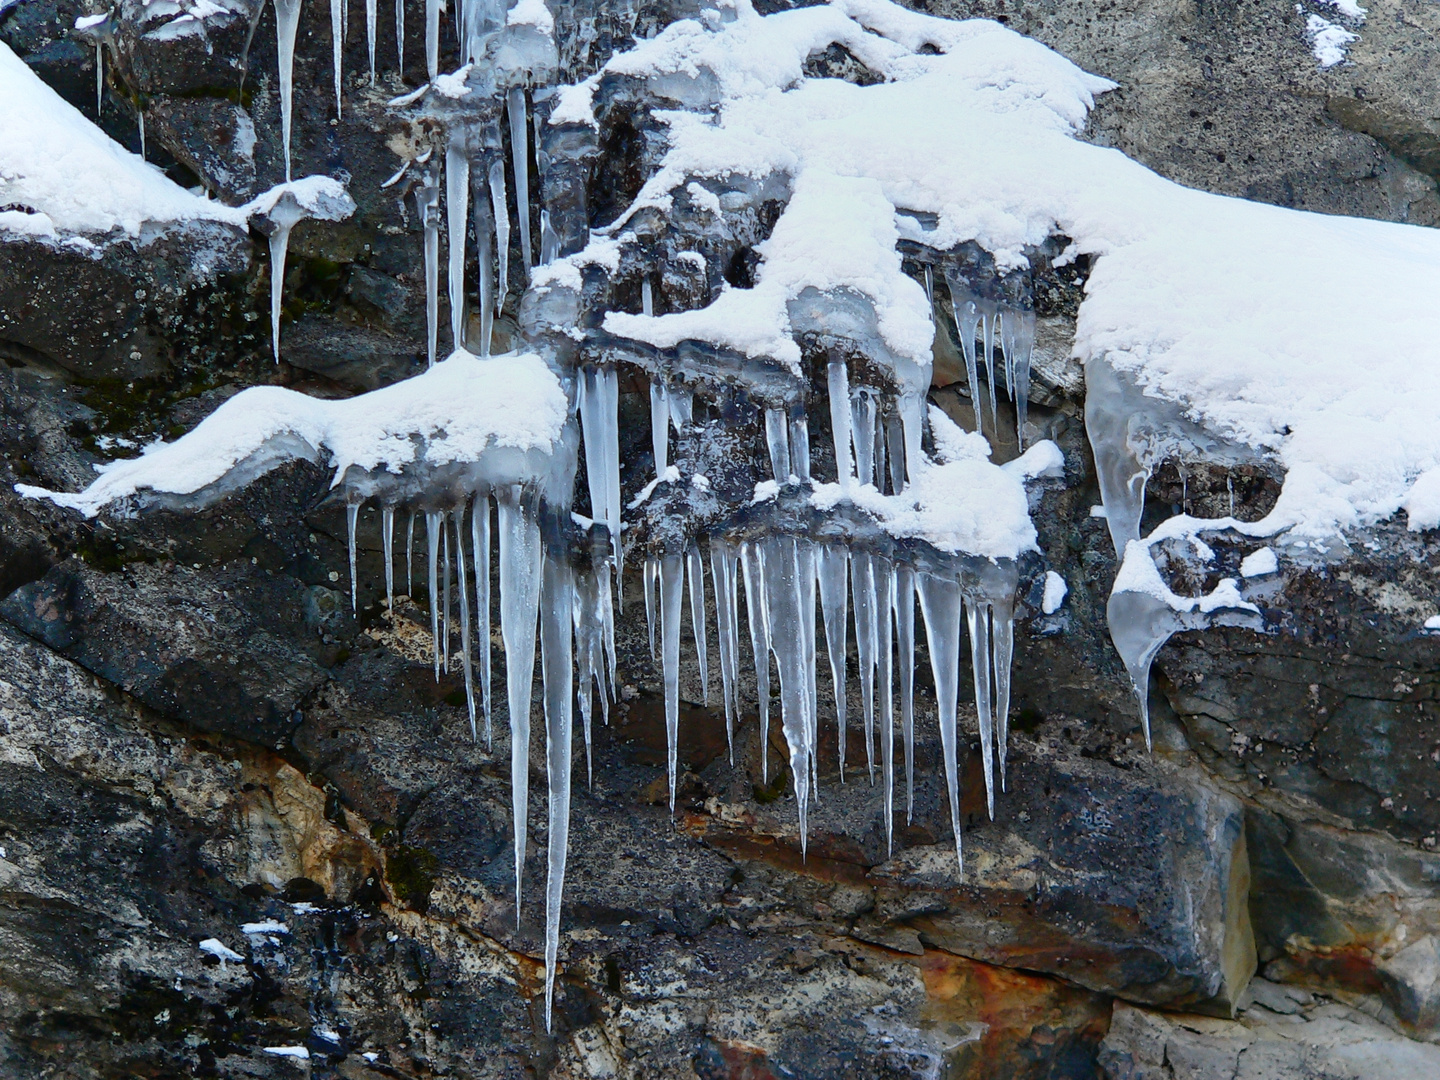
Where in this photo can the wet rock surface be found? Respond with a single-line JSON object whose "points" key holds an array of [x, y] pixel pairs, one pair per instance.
{"points": [[197, 734]]}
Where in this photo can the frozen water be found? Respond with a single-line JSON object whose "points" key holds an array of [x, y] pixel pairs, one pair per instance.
{"points": [[556, 605], [520, 571], [941, 602], [480, 543], [695, 573], [905, 639], [337, 43], [758, 616], [427, 206], [457, 211], [520, 155], [672, 581], [833, 570]]}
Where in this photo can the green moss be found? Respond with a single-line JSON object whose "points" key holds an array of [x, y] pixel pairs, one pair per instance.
{"points": [[411, 874]]}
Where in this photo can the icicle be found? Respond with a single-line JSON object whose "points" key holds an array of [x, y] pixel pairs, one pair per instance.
{"points": [[783, 602], [445, 561], [987, 330], [387, 539], [805, 559], [586, 617], [912, 422], [834, 604], [800, 446], [337, 40], [399, 36], [929, 283], [464, 590], [100, 80], [520, 566], [940, 606], [484, 243], [777, 441], [409, 553], [1019, 345], [879, 444], [885, 602], [140, 112], [1006, 319], [1002, 643], [609, 413], [839, 385], [660, 426], [647, 298], [651, 585], [696, 570], [722, 572], [427, 204], [862, 414], [682, 408], [480, 541], [549, 240], [759, 621], [432, 38], [432, 534], [502, 231], [672, 584], [283, 216], [977, 615], [556, 664], [352, 515], [895, 451], [967, 322], [520, 156], [370, 19], [905, 633], [457, 209], [862, 570], [607, 619]]}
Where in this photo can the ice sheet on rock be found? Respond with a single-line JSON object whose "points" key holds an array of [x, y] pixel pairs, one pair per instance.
{"points": [[1143, 611], [505, 414]]}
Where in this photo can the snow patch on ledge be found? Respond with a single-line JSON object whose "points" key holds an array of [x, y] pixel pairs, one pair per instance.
{"points": [[452, 414], [74, 178]]}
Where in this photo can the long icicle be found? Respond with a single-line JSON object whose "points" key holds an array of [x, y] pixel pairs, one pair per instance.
{"points": [[485, 249], [520, 572], [400, 37], [463, 589], [1002, 644], [862, 572], [100, 79], [885, 603], [502, 232], [659, 426], [783, 602], [557, 666], [432, 534], [759, 621], [695, 570], [337, 41], [432, 38], [445, 563], [387, 539], [520, 157], [977, 614], [480, 542], [370, 20], [722, 566], [834, 604], [905, 633], [352, 515], [839, 384], [805, 560], [940, 605], [410, 556], [457, 211], [651, 585], [427, 200], [672, 580]]}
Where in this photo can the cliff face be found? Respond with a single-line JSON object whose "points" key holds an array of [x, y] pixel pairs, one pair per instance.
{"points": [[235, 817]]}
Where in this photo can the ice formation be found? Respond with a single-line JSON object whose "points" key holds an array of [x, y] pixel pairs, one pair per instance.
{"points": [[793, 451]]}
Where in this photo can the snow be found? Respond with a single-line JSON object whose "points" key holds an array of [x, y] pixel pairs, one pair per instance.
{"points": [[453, 413], [216, 947], [532, 13], [1348, 8], [1259, 563], [1055, 592], [1226, 307], [1432, 623], [1328, 41], [265, 926], [288, 1051]]}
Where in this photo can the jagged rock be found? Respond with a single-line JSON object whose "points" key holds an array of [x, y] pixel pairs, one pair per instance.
{"points": [[1280, 1035]]}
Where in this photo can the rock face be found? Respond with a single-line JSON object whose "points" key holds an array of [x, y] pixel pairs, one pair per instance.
{"points": [[197, 736]]}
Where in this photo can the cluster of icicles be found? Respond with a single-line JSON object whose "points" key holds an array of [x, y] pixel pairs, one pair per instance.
{"points": [[568, 588]]}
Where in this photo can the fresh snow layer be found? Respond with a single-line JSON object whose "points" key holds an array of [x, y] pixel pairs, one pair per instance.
{"points": [[217, 948], [75, 178], [1259, 563], [451, 414], [1232, 309]]}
